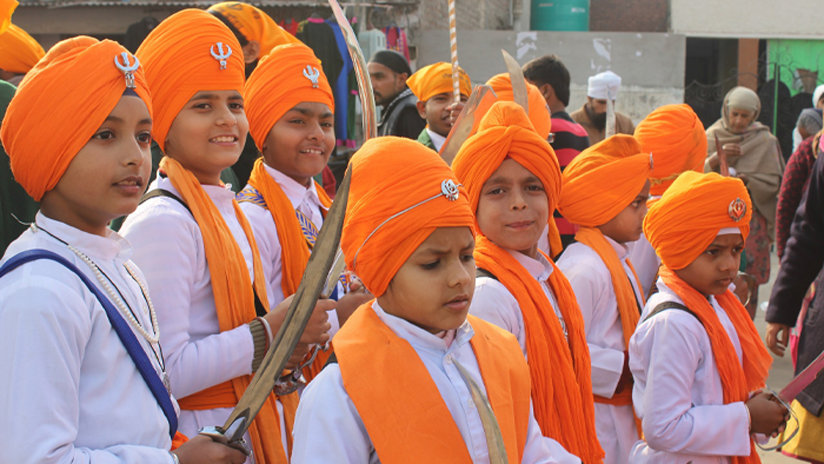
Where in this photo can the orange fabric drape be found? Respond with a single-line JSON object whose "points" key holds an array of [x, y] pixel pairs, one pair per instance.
{"points": [[738, 378], [234, 302], [560, 369], [410, 421], [294, 253]]}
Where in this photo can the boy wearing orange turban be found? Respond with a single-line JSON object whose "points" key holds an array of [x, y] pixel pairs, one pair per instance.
{"points": [[290, 107], [193, 241], [433, 86], [18, 54], [676, 138], [513, 181], [604, 192], [408, 235], [696, 356], [79, 335]]}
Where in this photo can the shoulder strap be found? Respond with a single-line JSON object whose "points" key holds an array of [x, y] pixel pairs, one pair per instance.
{"points": [[669, 305], [164, 193], [481, 272], [120, 326]]}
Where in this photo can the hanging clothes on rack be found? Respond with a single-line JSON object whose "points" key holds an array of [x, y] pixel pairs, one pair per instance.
{"points": [[342, 90], [396, 40], [289, 25]]}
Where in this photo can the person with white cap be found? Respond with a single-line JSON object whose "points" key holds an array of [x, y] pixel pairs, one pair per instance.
{"points": [[593, 115]]}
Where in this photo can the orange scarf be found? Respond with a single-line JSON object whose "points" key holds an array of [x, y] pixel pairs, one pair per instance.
{"points": [[401, 408], [291, 238], [738, 377], [560, 370], [235, 305]]}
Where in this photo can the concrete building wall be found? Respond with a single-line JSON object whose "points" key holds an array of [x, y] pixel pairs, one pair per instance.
{"points": [[747, 18], [629, 15], [651, 65], [470, 14]]}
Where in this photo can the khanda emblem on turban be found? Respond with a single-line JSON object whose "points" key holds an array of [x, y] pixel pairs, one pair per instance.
{"points": [[312, 73], [449, 189], [220, 54], [127, 67], [737, 209]]}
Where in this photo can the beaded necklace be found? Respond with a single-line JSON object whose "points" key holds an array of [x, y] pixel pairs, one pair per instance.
{"points": [[116, 296]]}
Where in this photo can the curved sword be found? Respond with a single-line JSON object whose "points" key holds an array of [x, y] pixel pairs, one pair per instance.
{"points": [[367, 98], [516, 79], [300, 310], [494, 439]]}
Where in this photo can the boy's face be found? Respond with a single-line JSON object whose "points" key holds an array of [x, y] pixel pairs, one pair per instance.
{"points": [[109, 174], [301, 141], [208, 134], [628, 225], [714, 269], [434, 286], [513, 208], [436, 112]]}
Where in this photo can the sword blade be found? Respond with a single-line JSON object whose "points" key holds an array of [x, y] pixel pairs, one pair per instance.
{"points": [[802, 380], [334, 274], [494, 438], [516, 78], [481, 98], [311, 284], [610, 129], [367, 98]]}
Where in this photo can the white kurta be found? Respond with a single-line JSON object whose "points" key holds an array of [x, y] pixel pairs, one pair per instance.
{"points": [[328, 427], [592, 284], [494, 303], [678, 393], [437, 139], [169, 249], [70, 392], [263, 226]]}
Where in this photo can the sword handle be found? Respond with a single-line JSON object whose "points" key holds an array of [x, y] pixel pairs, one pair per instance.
{"points": [[217, 435]]}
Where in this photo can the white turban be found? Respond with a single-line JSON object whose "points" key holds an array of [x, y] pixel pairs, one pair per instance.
{"points": [[819, 91], [603, 85]]}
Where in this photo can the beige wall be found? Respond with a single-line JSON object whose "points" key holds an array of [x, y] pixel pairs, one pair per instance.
{"points": [[748, 18]]}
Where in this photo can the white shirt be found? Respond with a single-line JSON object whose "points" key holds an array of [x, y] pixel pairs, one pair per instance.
{"points": [[436, 138], [494, 303], [71, 393], [169, 249], [328, 427], [592, 283], [678, 393], [263, 226]]}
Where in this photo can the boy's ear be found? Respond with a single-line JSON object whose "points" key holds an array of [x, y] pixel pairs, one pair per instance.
{"points": [[251, 51], [421, 106]]}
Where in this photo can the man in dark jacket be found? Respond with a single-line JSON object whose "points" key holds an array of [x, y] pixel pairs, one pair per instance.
{"points": [[388, 71]]}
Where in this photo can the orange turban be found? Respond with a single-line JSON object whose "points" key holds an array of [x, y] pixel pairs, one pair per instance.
{"points": [[506, 132], [435, 79], [59, 106], [254, 25], [19, 52], [677, 140], [394, 205], [603, 180], [538, 111], [189, 51], [687, 218], [291, 74], [6, 9]]}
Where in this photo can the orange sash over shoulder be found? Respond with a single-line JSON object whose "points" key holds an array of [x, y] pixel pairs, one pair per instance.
{"points": [[294, 252], [404, 414], [560, 369], [234, 302]]}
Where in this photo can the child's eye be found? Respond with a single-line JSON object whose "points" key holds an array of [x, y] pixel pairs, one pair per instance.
{"points": [[104, 135], [296, 121], [431, 266], [202, 106], [712, 251], [535, 188], [236, 106], [467, 257], [495, 191], [738, 250], [144, 138], [327, 125]]}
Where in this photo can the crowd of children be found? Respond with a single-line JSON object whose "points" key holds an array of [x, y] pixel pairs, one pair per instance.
{"points": [[121, 346]]}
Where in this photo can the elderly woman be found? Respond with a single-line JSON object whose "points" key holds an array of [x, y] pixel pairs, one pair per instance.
{"points": [[750, 152]]}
